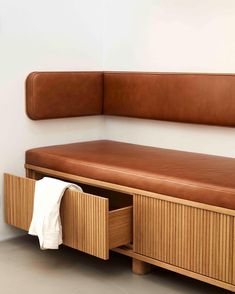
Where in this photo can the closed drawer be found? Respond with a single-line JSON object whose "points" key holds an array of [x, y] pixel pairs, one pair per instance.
{"points": [[90, 222], [197, 239]]}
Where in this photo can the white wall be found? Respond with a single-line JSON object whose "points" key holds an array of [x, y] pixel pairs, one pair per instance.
{"points": [[43, 35], [170, 35]]}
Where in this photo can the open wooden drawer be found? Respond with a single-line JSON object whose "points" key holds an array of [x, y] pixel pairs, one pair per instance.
{"points": [[92, 223]]}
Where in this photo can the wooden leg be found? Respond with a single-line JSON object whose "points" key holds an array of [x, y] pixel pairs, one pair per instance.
{"points": [[140, 267]]}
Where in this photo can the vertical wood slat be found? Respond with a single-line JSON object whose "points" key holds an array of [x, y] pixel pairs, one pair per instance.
{"points": [[18, 201], [191, 238], [85, 227], [85, 223], [233, 254]]}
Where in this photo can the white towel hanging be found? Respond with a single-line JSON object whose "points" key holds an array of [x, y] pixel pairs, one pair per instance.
{"points": [[46, 223]]}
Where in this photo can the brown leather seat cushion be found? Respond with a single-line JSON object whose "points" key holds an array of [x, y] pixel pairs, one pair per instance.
{"points": [[197, 177]]}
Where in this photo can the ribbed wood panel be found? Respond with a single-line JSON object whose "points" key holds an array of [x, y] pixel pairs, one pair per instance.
{"points": [[84, 216], [195, 239], [233, 252], [85, 227], [18, 201]]}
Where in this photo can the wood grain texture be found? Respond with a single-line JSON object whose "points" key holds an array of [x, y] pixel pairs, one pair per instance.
{"points": [[194, 239], [233, 253], [125, 250], [120, 226], [84, 220], [18, 201], [87, 223]]}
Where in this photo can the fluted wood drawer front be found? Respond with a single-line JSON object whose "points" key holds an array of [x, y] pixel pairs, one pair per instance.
{"points": [[87, 223], [193, 238]]}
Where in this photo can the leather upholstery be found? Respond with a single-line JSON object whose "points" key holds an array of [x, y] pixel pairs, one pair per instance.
{"points": [[197, 177], [63, 94], [191, 98]]}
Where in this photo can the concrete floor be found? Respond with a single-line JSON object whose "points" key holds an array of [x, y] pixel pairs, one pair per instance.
{"points": [[26, 269]]}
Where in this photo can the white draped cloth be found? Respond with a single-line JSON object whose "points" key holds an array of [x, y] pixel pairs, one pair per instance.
{"points": [[46, 222]]}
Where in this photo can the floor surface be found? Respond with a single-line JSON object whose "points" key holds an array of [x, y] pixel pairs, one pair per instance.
{"points": [[24, 268]]}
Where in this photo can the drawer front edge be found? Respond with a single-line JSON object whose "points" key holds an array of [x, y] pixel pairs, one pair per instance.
{"points": [[85, 223], [18, 201], [84, 216]]}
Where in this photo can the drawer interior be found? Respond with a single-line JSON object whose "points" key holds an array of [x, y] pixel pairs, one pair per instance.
{"points": [[116, 199], [93, 221]]}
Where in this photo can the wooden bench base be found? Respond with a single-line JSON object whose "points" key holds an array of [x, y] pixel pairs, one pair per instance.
{"points": [[190, 238]]}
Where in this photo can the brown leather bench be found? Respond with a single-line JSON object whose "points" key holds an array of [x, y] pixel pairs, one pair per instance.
{"points": [[183, 203], [196, 177]]}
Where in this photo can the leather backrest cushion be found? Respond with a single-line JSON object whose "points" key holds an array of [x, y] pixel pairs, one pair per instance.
{"points": [[63, 94], [191, 98]]}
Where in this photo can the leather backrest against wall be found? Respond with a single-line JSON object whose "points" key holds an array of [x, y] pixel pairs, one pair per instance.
{"points": [[180, 97], [191, 98], [63, 94]]}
